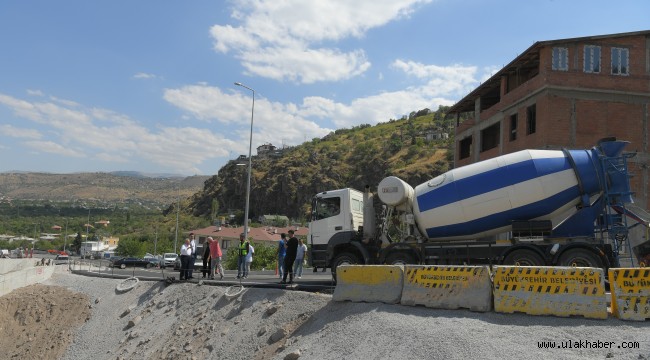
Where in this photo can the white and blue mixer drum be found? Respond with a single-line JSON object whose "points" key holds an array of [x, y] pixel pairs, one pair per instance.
{"points": [[484, 198]]}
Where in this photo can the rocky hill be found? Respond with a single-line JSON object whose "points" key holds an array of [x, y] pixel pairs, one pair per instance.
{"points": [[415, 149], [100, 187]]}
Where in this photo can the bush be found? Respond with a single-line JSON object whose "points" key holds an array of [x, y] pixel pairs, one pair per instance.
{"points": [[264, 257]]}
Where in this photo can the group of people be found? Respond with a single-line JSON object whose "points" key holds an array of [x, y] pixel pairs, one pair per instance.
{"points": [[211, 258], [188, 257], [291, 255]]}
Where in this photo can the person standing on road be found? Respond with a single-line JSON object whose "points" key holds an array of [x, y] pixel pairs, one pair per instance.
{"points": [[282, 251], [249, 258], [194, 254], [186, 256], [300, 257], [215, 256], [241, 260], [289, 258], [205, 270]]}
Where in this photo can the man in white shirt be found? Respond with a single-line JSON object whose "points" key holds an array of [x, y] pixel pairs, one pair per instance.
{"points": [[300, 257], [186, 257], [194, 254]]}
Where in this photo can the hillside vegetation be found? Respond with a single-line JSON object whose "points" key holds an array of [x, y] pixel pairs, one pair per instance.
{"points": [[355, 157], [98, 188]]}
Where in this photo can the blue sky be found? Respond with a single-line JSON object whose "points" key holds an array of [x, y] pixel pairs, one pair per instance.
{"points": [[148, 85]]}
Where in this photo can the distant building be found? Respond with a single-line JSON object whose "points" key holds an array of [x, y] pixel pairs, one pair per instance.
{"points": [[265, 149], [564, 93], [103, 223], [430, 135]]}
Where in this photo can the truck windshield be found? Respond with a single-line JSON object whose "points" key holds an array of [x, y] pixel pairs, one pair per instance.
{"points": [[327, 207]]}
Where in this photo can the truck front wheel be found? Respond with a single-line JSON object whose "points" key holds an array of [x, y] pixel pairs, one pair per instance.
{"points": [[345, 258]]}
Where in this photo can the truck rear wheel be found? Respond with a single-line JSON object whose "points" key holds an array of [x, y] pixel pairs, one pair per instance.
{"points": [[345, 258], [580, 258], [400, 258], [524, 257]]}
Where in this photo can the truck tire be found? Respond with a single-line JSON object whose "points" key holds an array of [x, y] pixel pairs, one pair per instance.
{"points": [[400, 258], [524, 257], [579, 258], [345, 258], [122, 266]]}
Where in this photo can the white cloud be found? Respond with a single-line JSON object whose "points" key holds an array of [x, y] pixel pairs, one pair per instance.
{"points": [[34, 92], [104, 135], [283, 40], [13, 131], [441, 80], [142, 75], [272, 120], [54, 148]]}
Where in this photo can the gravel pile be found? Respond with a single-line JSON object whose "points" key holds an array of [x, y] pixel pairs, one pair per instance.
{"points": [[189, 321]]}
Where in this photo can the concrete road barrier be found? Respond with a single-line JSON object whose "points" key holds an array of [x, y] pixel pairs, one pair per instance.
{"points": [[630, 289], [546, 290], [369, 283], [17, 273], [448, 287]]}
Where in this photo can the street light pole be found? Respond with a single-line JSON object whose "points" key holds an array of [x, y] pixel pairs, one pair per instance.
{"points": [[178, 209], [250, 164], [65, 238]]}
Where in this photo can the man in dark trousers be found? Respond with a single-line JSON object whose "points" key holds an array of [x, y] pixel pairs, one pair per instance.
{"points": [[242, 251], [290, 258]]}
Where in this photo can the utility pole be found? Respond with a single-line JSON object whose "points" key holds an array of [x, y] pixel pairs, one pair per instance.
{"points": [[87, 226], [155, 243], [178, 208], [65, 238]]}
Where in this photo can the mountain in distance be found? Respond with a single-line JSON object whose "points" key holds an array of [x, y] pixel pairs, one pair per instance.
{"points": [[139, 174], [119, 187]]}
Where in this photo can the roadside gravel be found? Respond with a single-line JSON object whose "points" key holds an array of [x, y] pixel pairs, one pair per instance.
{"points": [[188, 321]]}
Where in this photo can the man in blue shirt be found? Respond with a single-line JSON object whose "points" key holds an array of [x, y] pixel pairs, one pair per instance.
{"points": [[282, 251]]}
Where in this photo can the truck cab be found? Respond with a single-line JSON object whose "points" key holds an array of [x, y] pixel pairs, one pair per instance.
{"points": [[335, 220]]}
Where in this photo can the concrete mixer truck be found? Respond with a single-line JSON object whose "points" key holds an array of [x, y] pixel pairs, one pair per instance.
{"points": [[532, 208]]}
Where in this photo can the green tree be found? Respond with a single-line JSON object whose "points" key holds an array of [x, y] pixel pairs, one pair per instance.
{"points": [[130, 246], [265, 257], [76, 245]]}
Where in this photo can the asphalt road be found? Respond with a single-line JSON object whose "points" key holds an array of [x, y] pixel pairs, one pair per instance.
{"points": [[310, 280]]}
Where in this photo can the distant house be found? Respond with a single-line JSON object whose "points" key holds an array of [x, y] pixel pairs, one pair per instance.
{"points": [[430, 135], [265, 149], [103, 223], [563, 93]]}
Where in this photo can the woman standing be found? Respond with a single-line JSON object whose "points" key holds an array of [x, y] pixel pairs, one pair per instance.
{"points": [[249, 259], [215, 257], [300, 257]]}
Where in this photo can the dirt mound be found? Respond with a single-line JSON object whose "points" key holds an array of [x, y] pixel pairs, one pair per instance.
{"points": [[39, 321]]}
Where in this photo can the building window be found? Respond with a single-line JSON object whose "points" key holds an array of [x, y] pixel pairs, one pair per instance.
{"points": [[465, 146], [620, 61], [592, 59], [513, 127], [490, 137], [531, 120], [560, 58], [225, 244]]}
